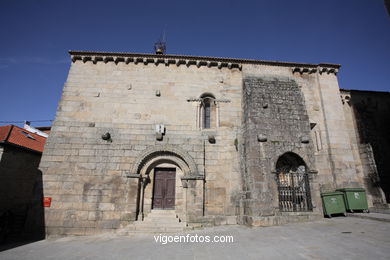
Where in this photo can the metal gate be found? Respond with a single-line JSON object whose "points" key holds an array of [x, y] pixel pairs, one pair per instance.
{"points": [[294, 189]]}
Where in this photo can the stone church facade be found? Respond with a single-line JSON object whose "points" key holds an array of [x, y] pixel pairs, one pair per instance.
{"points": [[214, 140]]}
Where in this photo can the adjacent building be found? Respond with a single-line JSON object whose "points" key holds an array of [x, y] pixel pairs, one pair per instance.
{"points": [[21, 210]]}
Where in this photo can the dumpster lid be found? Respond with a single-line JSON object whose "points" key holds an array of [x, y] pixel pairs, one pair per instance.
{"points": [[350, 189], [331, 193]]}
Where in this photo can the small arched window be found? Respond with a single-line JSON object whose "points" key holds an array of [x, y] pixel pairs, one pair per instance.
{"points": [[207, 111]]}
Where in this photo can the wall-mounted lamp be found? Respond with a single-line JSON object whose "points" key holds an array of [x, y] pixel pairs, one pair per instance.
{"points": [[160, 131]]}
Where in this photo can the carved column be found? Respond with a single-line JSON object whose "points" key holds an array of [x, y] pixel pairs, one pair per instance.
{"points": [[144, 181]]}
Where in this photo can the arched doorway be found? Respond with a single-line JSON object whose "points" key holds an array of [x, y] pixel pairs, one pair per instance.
{"points": [[163, 172], [293, 183]]}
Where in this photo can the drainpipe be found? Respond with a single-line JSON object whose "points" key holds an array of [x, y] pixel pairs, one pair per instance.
{"points": [[204, 178]]}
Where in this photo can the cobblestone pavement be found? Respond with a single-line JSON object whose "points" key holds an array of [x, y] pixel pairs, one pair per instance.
{"points": [[336, 238]]}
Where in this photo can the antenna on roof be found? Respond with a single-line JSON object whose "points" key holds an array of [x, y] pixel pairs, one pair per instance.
{"points": [[160, 46]]}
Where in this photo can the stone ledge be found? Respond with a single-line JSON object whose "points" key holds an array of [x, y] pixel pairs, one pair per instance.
{"points": [[155, 60], [196, 60]]}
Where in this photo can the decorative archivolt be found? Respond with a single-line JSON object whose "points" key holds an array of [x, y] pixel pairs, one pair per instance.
{"points": [[165, 153]]}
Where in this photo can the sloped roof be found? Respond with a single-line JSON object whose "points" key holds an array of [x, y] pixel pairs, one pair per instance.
{"points": [[14, 135]]}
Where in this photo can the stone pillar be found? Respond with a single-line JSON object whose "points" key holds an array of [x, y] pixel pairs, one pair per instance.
{"points": [[337, 139], [144, 180]]}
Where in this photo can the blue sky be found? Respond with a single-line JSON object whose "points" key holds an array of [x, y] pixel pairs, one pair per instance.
{"points": [[37, 34]]}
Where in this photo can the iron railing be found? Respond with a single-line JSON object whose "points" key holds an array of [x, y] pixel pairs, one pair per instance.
{"points": [[294, 191]]}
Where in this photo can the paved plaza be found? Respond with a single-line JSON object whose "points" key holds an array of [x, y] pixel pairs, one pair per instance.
{"points": [[336, 238]]}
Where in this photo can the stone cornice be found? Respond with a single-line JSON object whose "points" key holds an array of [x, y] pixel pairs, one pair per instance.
{"points": [[321, 68], [215, 100], [178, 60], [373, 92]]}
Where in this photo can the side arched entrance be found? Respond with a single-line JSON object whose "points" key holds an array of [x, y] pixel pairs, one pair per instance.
{"points": [[293, 184]]}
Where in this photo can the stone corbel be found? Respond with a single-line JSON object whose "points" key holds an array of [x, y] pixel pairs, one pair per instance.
{"points": [[157, 61], [190, 62], [179, 62], [328, 70], [296, 69], [302, 70], [85, 59], [261, 138], [106, 59], [211, 139], [95, 59], [305, 139], [118, 59], [346, 99]]}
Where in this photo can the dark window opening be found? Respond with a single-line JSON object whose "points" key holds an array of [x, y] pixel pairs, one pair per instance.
{"points": [[206, 114]]}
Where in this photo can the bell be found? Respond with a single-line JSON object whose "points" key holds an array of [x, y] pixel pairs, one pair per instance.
{"points": [[159, 51]]}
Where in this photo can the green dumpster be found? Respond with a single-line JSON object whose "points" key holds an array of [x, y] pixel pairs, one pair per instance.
{"points": [[333, 203], [355, 199]]}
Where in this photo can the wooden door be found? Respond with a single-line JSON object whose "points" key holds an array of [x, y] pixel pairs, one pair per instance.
{"points": [[164, 188]]}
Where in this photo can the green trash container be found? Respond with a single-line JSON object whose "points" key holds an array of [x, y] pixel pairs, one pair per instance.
{"points": [[355, 199], [333, 203]]}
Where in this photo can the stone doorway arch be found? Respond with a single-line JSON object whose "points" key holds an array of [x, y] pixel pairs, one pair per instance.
{"points": [[168, 152], [163, 157]]}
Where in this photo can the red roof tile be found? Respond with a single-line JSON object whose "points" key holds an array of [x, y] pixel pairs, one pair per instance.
{"points": [[21, 137]]}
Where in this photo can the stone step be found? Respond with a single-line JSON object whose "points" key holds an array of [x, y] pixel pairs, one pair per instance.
{"points": [[129, 232], [161, 220], [161, 215], [159, 229], [162, 211], [143, 224], [156, 221], [132, 228]]}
